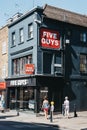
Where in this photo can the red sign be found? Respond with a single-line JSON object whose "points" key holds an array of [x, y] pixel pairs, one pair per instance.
{"points": [[29, 69], [2, 85], [49, 38]]}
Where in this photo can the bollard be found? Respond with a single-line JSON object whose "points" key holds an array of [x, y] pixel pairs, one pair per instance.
{"points": [[51, 118], [63, 109], [17, 112], [51, 111], [75, 114]]}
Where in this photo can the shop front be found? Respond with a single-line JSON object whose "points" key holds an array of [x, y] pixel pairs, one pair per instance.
{"points": [[20, 92], [28, 93], [2, 95]]}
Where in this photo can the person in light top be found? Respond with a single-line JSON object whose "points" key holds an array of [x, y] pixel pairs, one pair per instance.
{"points": [[45, 106], [66, 105]]}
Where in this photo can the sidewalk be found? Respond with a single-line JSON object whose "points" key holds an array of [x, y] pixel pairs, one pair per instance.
{"points": [[73, 123]]}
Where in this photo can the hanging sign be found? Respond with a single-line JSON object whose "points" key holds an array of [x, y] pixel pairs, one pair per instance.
{"points": [[49, 38], [29, 68]]}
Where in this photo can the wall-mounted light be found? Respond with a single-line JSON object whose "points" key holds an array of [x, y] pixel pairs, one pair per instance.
{"points": [[37, 18], [67, 41], [37, 21]]}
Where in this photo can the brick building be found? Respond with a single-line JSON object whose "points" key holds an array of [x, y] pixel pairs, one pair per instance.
{"points": [[3, 56]]}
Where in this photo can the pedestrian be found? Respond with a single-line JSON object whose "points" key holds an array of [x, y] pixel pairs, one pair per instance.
{"points": [[66, 106], [45, 107]]}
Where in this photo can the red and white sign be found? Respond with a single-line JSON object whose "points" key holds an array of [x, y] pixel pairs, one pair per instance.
{"points": [[29, 69], [2, 85], [49, 38]]}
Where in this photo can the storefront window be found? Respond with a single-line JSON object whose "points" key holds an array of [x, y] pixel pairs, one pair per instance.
{"points": [[12, 98], [24, 99]]}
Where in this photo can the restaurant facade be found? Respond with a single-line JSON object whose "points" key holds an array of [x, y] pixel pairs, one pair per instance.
{"points": [[47, 56]]}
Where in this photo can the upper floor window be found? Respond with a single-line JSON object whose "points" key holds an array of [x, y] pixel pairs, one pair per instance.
{"points": [[83, 37], [30, 30], [83, 63], [13, 38], [4, 48], [4, 71], [21, 35]]}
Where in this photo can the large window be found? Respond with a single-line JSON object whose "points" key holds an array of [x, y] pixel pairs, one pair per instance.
{"points": [[13, 38], [4, 48], [83, 64], [21, 35], [19, 64], [30, 31]]}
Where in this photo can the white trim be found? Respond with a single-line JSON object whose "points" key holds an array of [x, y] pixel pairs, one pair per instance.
{"points": [[57, 65]]}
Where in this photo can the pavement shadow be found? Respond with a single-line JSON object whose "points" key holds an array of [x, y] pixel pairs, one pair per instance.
{"points": [[84, 129], [6, 116], [27, 126]]}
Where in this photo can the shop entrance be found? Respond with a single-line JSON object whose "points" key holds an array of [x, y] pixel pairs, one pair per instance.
{"points": [[43, 93], [55, 95]]}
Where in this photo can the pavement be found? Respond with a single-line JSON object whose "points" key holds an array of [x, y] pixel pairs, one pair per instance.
{"points": [[59, 121]]}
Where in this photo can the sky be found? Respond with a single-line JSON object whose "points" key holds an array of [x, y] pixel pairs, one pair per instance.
{"points": [[10, 7]]}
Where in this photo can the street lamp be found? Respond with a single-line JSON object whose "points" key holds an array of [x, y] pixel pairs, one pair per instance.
{"points": [[66, 42], [37, 18]]}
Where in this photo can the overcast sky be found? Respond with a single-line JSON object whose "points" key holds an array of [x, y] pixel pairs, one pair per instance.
{"points": [[10, 7]]}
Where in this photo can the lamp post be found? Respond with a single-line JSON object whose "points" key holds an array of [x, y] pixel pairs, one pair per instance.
{"points": [[66, 42]]}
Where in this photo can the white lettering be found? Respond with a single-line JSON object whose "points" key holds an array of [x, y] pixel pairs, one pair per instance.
{"points": [[49, 35], [50, 42], [18, 82]]}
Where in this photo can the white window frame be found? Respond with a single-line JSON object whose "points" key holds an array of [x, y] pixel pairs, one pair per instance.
{"points": [[4, 48], [30, 31], [21, 35]]}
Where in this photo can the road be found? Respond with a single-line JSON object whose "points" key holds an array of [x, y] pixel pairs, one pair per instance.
{"points": [[12, 125]]}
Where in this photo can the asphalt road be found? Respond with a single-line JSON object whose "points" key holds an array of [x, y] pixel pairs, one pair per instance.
{"points": [[11, 125]]}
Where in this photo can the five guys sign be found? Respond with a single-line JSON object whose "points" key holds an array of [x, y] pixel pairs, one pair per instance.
{"points": [[49, 38]]}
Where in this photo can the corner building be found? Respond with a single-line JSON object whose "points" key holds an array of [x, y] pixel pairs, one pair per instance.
{"points": [[47, 56]]}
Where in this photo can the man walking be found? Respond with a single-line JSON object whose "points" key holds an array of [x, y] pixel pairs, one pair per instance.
{"points": [[66, 105]]}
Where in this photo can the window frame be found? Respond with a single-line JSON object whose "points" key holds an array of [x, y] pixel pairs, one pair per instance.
{"points": [[30, 30], [13, 38], [18, 67], [21, 35], [83, 63]]}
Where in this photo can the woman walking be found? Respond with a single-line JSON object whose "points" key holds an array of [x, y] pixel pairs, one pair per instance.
{"points": [[45, 107]]}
